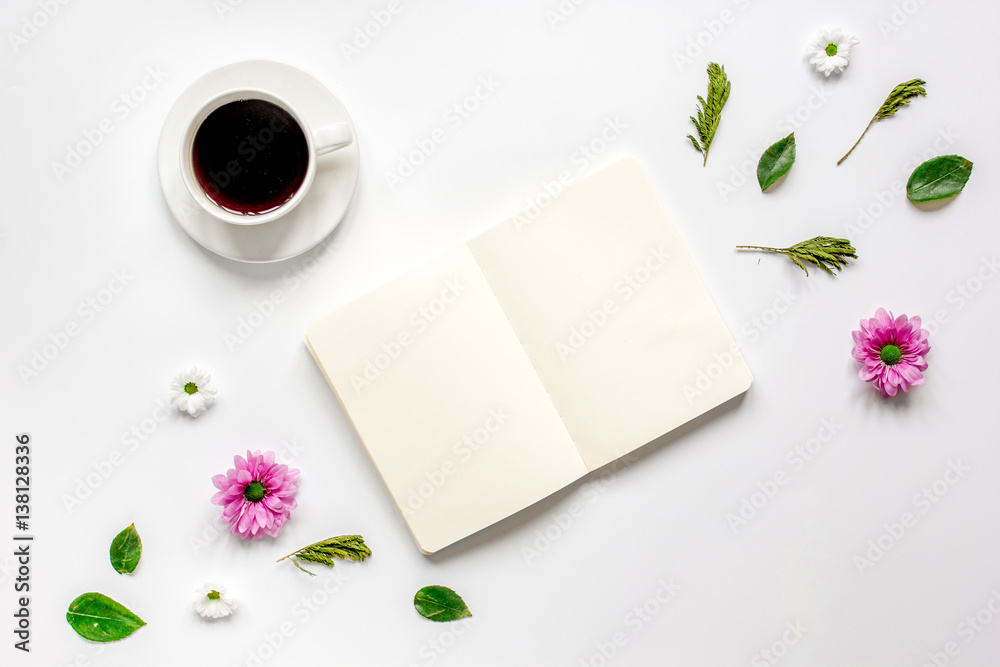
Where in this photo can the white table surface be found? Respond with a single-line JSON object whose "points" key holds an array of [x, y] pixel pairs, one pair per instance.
{"points": [[617, 541]]}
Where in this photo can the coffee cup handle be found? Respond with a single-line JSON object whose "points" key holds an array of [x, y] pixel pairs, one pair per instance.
{"points": [[333, 137]]}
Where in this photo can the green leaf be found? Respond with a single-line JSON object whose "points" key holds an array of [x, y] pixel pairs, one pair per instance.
{"points": [[348, 547], [126, 549], [440, 604], [826, 252], [100, 619], [710, 112], [938, 178], [899, 97], [776, 161]]}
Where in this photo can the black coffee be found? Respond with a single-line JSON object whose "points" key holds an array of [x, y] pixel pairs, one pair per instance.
{"points": [[250, 156]]}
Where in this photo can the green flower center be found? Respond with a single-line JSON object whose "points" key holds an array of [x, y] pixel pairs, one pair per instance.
{"points": [[213, 595], [831, 49], [890, 355], [191, 388], [254, 492]]}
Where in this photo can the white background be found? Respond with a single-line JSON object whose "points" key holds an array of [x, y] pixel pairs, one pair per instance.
{"points": [[662, 519]]}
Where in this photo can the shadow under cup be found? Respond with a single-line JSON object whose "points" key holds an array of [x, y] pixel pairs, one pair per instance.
{"points": [[250, 156]]}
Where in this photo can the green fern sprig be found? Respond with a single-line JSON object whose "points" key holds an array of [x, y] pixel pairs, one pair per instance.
{"points": [[898, 98], [349, 547], [824, 251], [711, 111]]}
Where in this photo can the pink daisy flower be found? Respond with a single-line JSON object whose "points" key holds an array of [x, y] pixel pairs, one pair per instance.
{"points": [[892, 351], [257, 496]]}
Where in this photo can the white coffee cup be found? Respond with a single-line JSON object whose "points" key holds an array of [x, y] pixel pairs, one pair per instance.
{"points": [[319, 141]]}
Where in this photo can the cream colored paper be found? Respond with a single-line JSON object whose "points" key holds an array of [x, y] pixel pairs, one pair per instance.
{"points": [[612, 313], [444, 399], [546, 347]]}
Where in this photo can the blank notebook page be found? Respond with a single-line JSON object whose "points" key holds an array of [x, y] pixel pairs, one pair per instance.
{"points": [[612, 313]]}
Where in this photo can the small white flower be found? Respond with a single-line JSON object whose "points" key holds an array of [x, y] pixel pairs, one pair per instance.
{"points": [[831, 51], [211, 601], [192, 391]]}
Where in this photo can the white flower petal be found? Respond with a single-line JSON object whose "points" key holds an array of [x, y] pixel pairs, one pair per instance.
{"points": [[201, 400], [831, 64], [208, 608]]}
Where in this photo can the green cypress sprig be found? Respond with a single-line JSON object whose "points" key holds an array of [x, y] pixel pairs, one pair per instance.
{"points": [[710, 112], [898, 98], [349, 547], [824, 251]]}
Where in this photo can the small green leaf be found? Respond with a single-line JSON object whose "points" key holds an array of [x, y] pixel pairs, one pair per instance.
{"points": [[440, 604], [348, 547], [776, 161], [100, 619], [710, 112], [126, 549], [898, 98], [938, 178], [826, 252]]}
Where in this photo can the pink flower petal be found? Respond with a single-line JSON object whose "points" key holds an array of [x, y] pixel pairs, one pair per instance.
{"points": [[885, 329], [253, 520], [869, 373], [910, 373], [246, 518], [235, 504]]}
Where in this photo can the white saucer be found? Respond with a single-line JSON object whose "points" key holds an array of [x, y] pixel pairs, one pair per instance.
{"points": [[320, 211]]}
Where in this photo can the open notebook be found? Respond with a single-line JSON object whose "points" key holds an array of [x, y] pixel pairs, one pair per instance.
{"points": [[542, 349]]}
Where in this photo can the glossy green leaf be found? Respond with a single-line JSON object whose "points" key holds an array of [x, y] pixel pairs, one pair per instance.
{"points": [[100, 619], [776, 161], [126, 549], [440, 604], [938, 178]]}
